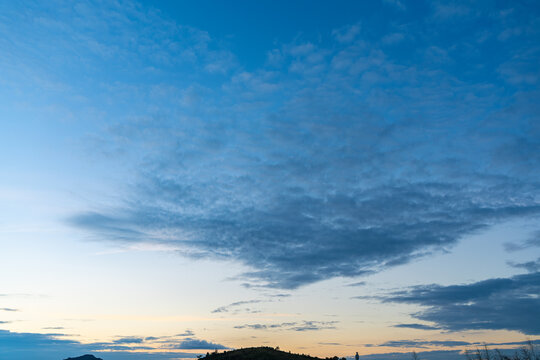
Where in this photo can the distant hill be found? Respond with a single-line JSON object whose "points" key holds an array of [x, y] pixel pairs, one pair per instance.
{"points": [[85, 357], [259, 353]]}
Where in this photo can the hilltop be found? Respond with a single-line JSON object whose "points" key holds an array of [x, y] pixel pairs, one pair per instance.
{"points": [[84, 357], [260, 353]]}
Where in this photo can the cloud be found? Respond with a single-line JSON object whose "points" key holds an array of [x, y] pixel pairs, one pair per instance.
{"points": [[530, 266], [396, 3], [417, 326], [532, 241], [8, 309], [279, 296], [519, 70], [22, 346], [527, 342], [393, 38], [186, 333], [315, 326], [424, 343], [357, 223], [447, 10], [347, 33], [129, 340], [227, 308], [337, 161], [494, 304], [292, 326], [195, 344], [182, 341]]}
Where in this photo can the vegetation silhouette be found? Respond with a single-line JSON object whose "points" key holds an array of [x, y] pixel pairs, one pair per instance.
{"points": [[261, 353], [528, 352], [84, 357]]}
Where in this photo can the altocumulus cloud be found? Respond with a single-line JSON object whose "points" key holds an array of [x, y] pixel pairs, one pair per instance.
{"points": [[333, 161]]}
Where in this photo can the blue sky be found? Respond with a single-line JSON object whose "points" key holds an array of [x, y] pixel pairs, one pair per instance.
{"points": [[329, 178]]}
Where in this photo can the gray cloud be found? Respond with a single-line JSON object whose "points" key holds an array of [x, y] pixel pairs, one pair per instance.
{"points": [[424, 217], [417, 326], [196, 344], [530, 266], [494, 304], [533, 241], [527, 342]]}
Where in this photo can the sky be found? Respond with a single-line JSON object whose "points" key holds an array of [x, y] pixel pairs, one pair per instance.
{"points": [[326, 177]]}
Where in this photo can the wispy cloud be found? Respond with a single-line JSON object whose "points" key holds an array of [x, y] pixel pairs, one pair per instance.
{"points": [[531, 242], [347, 33], [294, 326], [236, 304], [531, 266], [186, 333], [417, 326], [424, 343]]}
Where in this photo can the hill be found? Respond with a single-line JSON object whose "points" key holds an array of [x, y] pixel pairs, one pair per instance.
{"points": [[84, 357], [259, 353]]}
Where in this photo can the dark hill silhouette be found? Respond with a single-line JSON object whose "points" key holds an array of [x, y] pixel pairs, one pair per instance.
{"points": [[85, 357], [260, 353]]}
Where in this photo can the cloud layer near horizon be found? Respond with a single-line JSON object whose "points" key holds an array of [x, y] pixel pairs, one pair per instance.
{"points": [[54, 346], [494, 304]]}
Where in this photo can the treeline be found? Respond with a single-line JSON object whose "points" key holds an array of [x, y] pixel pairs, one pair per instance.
{"points": [[527, 352]]}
